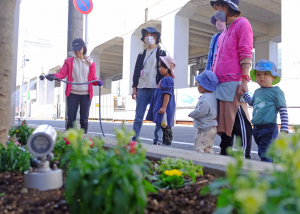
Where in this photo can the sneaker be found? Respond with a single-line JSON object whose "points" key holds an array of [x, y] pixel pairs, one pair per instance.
{"points": [[157, 143]]}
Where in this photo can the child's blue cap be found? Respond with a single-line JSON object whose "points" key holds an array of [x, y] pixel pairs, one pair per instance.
{"points": [[208, 80], [265, 65]]}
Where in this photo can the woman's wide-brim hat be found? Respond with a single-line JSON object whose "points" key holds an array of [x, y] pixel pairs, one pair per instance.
{"points": [[234, 4], [150, 30], [265, 65]]}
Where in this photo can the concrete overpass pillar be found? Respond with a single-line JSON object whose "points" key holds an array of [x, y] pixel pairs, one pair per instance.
{"points": [[175, 38], [266, 50], [96, 59], [132, 47]]}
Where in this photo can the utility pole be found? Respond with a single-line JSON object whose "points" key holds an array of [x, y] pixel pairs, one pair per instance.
{"points": [[75, 30], [21, 89]]}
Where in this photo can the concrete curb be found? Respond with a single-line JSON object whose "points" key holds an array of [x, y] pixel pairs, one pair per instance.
{"points": [[213, 164]]}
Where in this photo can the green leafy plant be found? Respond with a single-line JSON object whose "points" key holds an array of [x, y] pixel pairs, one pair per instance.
{"points": [[106, 182], [170, 179], [62, 146], [276, 192], [22, 132], [186, 166], [13, 159]]}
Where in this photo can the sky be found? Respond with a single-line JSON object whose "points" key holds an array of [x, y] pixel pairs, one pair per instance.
{"points": [[48, 20]]}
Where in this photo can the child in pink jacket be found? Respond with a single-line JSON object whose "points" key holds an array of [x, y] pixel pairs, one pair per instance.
{"points": [[231, 65]]}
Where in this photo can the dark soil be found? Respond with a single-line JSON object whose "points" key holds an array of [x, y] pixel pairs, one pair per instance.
{"points": [[185, 200], [14, 198]]}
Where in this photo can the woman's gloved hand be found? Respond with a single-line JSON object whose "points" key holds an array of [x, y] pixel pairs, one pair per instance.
{"points": [[100, 82], [50, 77]]}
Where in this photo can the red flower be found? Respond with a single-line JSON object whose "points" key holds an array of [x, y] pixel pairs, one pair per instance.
{"points": [[67, 142], [132, 144], [132, 149], [92, 142]]}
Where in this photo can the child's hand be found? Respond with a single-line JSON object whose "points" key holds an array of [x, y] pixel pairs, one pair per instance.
{"points": [[162, 110], [241, 92]]}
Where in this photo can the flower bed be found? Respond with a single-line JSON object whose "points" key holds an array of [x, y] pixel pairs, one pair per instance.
{"points": [[16, 199], [117, 180], [122, 180]]}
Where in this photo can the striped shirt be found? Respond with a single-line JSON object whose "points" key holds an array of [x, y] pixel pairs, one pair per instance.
{"points": [[282, 111]]}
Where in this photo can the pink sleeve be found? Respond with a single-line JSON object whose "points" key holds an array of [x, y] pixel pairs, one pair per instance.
{"points": [[94, 77], [245, 39], [63, 71]]}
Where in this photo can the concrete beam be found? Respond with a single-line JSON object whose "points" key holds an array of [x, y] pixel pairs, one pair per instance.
{"points": [[109, 61], [100, 48], [205, 41], [269, 5], [203, 27], [201, 33], [112, 53], [273, 35], [110, 65], [196, 44], [202, 23]]}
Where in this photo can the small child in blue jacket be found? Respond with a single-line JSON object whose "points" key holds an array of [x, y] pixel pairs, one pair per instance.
{"points": [[163, 102], [267, 101]]}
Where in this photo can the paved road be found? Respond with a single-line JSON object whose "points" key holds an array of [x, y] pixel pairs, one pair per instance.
{"points": [[183, 135]]}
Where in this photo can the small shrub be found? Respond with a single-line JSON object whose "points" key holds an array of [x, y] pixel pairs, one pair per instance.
{"points": [[61, 147], [186, 166], [106, 182], [22, 132], [277, 192], [13, 159], [170, 179]]}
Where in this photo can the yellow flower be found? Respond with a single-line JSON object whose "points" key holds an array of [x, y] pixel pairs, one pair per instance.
{"points": [[86, 147], [17, 131], [281, 144], [72, 136], [251, 199], [173, 172]]}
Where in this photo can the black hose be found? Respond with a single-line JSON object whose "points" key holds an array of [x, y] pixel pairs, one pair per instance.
{"points": [[43, 77]]}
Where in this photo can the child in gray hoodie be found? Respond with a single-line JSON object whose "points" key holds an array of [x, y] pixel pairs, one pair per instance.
{"points": [[205, 113]]}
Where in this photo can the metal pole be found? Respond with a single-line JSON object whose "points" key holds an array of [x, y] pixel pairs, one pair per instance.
{"points": [[75, 30], [23, 65], [86, 31]]}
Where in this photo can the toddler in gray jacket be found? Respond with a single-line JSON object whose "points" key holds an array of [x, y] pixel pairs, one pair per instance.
{"points": [[205, 113]]}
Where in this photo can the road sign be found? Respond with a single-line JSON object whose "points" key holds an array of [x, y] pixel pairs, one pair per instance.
{"points": [[83, 6]]}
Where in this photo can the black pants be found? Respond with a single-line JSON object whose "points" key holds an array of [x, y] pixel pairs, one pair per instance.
{"points": [[167, 135], [73, 101], [241, 128]]}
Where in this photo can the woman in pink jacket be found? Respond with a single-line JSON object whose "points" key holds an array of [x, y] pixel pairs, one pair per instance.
{"points": [[79, 69], [232, 65]]}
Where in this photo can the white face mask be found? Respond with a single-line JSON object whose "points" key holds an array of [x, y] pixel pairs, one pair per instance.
{"points": [[149, 40]]}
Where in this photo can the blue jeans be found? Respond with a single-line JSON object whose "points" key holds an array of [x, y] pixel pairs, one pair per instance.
{"points": [[143, 98], [264, 135]]}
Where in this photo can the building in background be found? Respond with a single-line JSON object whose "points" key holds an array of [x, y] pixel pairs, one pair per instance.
{"points": [[186, 33]]}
